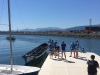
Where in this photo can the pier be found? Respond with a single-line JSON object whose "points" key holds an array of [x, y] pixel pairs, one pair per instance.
{"points": [[70, 67]]}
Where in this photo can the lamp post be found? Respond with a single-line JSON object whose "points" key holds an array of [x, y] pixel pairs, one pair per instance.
{"points": [[90, 26]]}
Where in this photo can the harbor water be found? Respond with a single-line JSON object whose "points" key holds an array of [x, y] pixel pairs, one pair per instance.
{"points": [[25, 43]]}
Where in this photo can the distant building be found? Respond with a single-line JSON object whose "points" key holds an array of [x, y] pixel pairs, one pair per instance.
{"points": [[92, 29]]}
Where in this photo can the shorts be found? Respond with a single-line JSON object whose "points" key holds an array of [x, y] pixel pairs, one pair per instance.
{"points": [[63, 51], [50, 49], [72, 49], [77, 49]]}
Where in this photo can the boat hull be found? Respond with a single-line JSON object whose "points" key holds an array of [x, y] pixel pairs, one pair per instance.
{"points": [[37, 62], [8, 38], [18, 70], [32, 73], [35, 54]]}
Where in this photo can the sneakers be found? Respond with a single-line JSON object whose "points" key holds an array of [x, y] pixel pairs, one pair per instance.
{"points": [[65, 60], [58, 59], [74, 57], [70, 56]]}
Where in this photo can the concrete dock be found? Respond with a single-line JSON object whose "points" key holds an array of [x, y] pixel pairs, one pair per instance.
{"points": [[70, 67]]}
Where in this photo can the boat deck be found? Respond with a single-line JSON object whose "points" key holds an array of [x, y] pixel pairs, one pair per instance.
{"points": [[17, 69], [70, 67]]}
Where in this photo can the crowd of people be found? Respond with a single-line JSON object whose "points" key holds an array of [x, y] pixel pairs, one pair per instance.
{"points": [[74, 48], [55, 49]]}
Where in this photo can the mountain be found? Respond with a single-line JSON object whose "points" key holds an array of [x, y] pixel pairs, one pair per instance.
{"points": [[42, 29], [76, 28], [57, 28], [27, 29]]}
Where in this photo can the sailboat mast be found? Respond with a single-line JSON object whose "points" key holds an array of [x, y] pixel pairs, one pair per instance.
{"points": [[11, 56]]}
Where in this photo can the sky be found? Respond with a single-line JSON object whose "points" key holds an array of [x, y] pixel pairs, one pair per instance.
{"points": [[34, 14]]}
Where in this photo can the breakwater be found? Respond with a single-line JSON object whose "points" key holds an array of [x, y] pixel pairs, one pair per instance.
{"points": [[61, 34]]}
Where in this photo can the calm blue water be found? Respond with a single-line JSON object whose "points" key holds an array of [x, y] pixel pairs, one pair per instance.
{"points": [[25, 43]]}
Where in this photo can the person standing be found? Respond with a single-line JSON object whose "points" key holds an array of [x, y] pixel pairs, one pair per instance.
{"points": [[55, 44], [72, 48], [92, 66], [49, 42], [51, 50], [57, 48], [76, 48], [63, 47]]}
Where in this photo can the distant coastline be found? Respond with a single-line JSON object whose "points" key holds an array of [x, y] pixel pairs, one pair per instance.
{"points": [[94, 35]]}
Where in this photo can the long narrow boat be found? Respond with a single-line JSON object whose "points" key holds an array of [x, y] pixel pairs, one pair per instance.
{"points": [[35, 53]]}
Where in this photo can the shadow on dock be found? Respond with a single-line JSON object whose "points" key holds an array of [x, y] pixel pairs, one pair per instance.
{"points": [[82, 58], [70, 61], [64, 60]]}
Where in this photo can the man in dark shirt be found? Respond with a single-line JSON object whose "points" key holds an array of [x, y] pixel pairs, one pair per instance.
{"points": [[92, 66], [63, 48]]}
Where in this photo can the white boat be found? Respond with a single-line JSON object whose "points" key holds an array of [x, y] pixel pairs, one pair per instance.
{"points": [[16, 69]]}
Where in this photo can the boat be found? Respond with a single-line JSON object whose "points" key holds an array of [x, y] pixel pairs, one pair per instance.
{"points": [[12, 38], [12, 69], [35, 53]]}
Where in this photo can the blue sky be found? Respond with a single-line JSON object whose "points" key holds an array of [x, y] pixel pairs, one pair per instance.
{"points": [[49, 13]]}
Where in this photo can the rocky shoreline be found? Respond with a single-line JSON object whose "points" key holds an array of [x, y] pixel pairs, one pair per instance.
{"points": [[61, 34]]}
